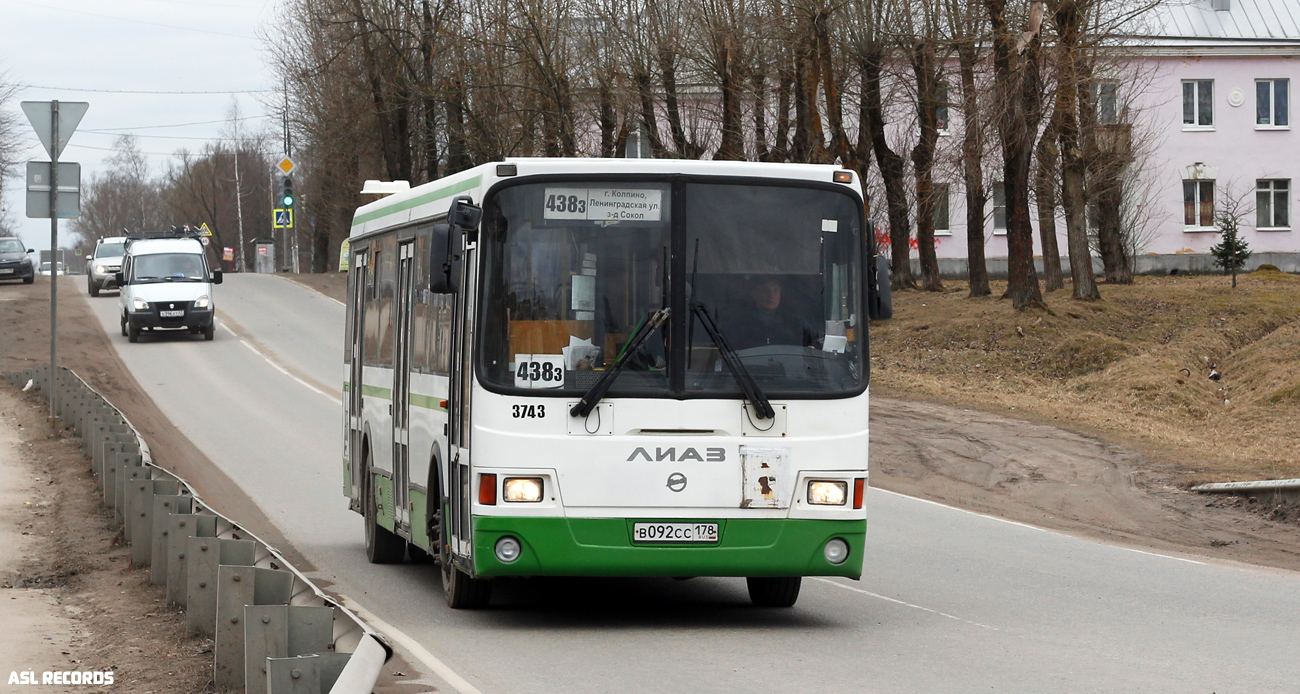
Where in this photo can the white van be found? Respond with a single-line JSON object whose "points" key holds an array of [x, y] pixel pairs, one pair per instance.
{"points": [[166, 284]]}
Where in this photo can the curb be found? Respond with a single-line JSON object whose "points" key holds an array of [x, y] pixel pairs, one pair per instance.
{"points": [[275, 631]]}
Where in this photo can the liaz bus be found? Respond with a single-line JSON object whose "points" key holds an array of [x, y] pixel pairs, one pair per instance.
{"points": [[613, 367]]}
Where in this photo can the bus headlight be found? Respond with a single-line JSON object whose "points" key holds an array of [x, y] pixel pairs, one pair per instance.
{"points": [[508, 549], [523, 489], [836, 551], [827, 493]]}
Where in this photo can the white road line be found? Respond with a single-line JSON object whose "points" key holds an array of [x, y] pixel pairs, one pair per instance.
{"points": [[285, 371], [901, 602], [1031, 527], [422, 654]]}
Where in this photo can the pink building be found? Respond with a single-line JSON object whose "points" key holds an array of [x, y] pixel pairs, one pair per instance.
{"points": [[1209, 107]]}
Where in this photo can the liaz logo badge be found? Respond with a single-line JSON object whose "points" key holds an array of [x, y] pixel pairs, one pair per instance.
{"points": [[672, 455]]}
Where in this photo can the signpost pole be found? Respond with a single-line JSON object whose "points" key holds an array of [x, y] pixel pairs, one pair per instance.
{"points": [[54, 262]]}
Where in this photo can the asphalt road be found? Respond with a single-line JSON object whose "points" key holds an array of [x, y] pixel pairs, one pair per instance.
{"points": [[951, 602]]}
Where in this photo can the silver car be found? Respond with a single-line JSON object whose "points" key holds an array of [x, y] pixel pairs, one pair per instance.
{"points": [[104, 264]]}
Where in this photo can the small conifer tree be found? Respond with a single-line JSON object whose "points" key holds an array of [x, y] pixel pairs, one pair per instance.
{"points": [[1232, 252]]}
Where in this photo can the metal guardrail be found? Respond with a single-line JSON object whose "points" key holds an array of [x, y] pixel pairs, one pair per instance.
{"points": [[275, 631], [1284, 491]]}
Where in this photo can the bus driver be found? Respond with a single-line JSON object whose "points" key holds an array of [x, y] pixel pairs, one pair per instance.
{"points": [[765, 322]]}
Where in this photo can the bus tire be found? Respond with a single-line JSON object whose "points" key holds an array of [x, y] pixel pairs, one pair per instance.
{"points": [[461, 591], [779, 591], [382, 545]]}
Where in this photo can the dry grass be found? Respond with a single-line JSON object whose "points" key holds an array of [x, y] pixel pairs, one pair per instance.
{"points": [[1135, 366]]}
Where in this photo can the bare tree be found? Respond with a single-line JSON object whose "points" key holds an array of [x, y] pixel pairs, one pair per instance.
{"points": [[122, 199], [1018, 90], [968, 29]]}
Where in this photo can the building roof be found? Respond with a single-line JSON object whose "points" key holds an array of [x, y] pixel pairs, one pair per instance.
{"points": [[1198, 23]]}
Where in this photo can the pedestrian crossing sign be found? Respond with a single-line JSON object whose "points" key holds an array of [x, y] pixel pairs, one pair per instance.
{"points": [[282, 218]]}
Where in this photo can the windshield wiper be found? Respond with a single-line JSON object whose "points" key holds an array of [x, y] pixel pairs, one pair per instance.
{"points": [[597, 391], [748, 386]]}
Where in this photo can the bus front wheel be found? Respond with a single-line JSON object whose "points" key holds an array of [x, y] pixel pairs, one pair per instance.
{"points": [[463, 592], [780, 591], [382, 545]]}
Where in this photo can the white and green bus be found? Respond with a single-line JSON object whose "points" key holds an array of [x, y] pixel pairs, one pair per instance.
{"points": [[613, 367]]}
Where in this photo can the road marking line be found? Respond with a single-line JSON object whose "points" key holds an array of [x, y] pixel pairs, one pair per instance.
{"points": [[285, 371], [1033, 527], [229, 330], [901, 602], [431, 661]]}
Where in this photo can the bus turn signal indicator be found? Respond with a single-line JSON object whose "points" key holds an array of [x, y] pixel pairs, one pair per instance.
{"points": [[487, 489]]}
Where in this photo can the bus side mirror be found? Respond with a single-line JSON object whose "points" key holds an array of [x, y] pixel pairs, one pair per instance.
{"points": [[880, 303], [441, 260], [216, 276], [464, 214]]}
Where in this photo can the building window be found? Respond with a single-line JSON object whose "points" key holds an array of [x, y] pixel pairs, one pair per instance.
{"points": [[1272, 104], [1198, 104], [1107, 102], [1272, 210], [941, 110], [999, 209], [941, 210], [1198, 205]]}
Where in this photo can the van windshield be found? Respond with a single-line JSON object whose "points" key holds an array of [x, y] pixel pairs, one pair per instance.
{"points": [[169, 267]]}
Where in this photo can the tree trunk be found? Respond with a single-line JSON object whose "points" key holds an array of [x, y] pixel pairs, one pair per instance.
{"points": [[891, 172], [972, 153], [1073, 163], [732, 146], [924, 67], [1048, 157], [1017, 80], [1110, 233]]}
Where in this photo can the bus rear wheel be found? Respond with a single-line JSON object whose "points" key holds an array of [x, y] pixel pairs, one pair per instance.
{"points": [[780, 591], [382, 545]]}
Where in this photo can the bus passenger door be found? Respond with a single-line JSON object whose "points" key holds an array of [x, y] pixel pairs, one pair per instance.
{"points": [[402, 387], [356, 338], [459, 483]]}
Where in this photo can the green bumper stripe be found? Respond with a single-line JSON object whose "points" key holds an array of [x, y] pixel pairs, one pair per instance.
{"points": [[376, 391], [603, 547], [417, 201], [427, 402]]}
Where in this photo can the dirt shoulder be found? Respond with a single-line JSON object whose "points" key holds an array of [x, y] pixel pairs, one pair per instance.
{"points": [[1197, 376], [71, 601], [331, 284]]}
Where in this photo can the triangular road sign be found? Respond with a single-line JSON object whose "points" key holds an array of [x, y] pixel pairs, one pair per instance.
{"points": [[40, 113], [204, 230]]}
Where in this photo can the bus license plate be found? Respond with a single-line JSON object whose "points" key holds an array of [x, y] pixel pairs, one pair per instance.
{"points": [[674, 532], [171, 314]]}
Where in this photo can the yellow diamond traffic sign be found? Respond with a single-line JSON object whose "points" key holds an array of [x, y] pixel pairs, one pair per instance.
{"points": [[286, 165]]}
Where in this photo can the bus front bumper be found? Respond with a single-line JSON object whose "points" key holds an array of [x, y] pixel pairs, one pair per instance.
{"points": [[604, 547]]}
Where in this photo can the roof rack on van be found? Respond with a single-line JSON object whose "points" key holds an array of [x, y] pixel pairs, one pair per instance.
{"points": [[180, 231]]}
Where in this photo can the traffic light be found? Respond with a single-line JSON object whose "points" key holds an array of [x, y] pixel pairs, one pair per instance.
{"points": [[286, 191]]}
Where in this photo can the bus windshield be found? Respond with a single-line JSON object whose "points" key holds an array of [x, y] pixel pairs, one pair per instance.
{"points": [[571, 271]]}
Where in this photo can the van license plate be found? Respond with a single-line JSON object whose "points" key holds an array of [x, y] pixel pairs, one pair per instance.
{"points": [[171, 314], [674, 532]]}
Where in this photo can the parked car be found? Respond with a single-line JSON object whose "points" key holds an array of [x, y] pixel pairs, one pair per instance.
{"points": [[104, 263], [165, 284], [15, 261]]}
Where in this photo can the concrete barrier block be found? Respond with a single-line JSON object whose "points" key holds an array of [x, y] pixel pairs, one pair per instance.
{"points": [[266, 635], [203, 556], [128, 473], [234, 591], [160, 532], [183, 527], [298, 675]]}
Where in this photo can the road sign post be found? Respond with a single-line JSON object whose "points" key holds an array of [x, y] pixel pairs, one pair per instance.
{"points": [[54, 126]]}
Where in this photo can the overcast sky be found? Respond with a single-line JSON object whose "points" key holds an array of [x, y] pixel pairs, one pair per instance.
{"points": [[85, 50]]}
